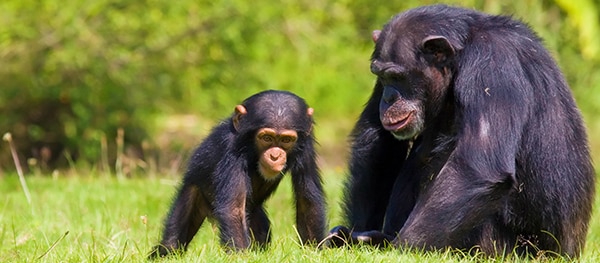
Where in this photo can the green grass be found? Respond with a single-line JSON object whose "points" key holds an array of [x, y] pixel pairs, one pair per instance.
{"points": [[96, 219]]}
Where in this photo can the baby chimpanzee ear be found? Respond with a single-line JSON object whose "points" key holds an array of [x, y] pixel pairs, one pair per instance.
{"points": [[310, 112], [240, 111], [375, 35]]}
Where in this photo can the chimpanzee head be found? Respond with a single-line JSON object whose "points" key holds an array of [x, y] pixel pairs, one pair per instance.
{"points": [[414, 64], [278, 121]]}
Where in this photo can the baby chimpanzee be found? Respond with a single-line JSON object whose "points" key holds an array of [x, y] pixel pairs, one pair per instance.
{"points": [[237, 168]]}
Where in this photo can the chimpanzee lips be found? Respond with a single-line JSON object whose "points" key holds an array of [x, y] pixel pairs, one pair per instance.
{"points": [[396, 123]]}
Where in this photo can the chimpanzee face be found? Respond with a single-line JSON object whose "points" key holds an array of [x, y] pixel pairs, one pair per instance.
{"points": [[273, 147], [401, 105], [414, 81], [277, 127]]}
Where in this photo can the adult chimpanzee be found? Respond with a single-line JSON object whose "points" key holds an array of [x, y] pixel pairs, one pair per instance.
{"points": [[471, 138], [239, 165]]}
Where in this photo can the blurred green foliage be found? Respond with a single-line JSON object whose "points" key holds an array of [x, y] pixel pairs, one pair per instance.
{"points": [[75, 72]]}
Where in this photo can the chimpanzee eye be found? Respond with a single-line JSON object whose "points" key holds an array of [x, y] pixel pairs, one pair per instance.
{"points": [[288, 139], [267, 138]]}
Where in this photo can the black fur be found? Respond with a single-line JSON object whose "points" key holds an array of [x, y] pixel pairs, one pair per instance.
{"points": [[500, 159], [223, 182]]}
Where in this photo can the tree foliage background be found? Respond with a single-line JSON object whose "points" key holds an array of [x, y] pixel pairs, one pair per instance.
{"points": [[74, 73]]}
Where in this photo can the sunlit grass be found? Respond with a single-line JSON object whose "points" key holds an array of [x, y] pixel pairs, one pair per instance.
{"points": [[94, 219]]}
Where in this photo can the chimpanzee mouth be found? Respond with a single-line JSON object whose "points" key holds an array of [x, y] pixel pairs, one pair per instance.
{"points": [[396, 124]]}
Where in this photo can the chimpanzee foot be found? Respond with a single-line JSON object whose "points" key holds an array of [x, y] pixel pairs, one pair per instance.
{"points": [[340, 236], [373, 238]]}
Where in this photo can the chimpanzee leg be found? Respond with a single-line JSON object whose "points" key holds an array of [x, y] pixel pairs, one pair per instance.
{"points": [[449, 211], [187, 214], [495, 238]]}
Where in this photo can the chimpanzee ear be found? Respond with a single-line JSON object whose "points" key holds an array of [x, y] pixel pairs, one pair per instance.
{"points": [[437, 50], [375, 35], [310, 112], [240, 111]]}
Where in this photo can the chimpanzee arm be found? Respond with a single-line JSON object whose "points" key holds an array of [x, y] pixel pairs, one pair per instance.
{"points": [[479, 174], [403, 196], [308, 191], [232, 184], [374, 165]]}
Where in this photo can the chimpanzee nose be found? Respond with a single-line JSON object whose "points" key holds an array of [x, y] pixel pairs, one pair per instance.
{"points": [[274, 157], [389, 94]]}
